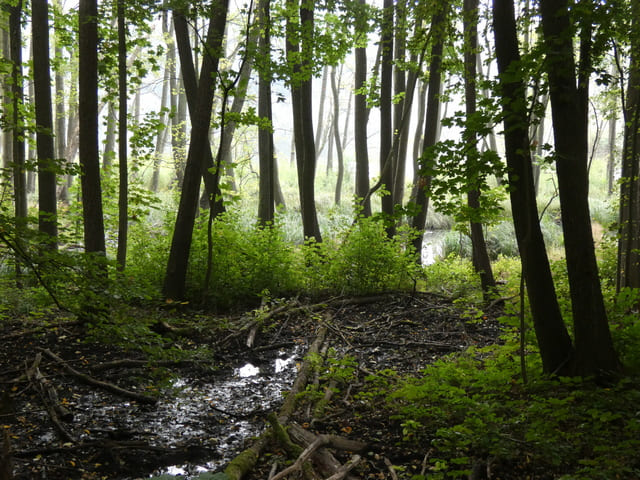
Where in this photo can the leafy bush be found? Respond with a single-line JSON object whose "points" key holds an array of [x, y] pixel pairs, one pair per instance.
{"points": [[246, 260]]}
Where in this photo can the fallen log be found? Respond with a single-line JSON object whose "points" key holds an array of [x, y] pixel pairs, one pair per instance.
{"points": [[99, 383]]}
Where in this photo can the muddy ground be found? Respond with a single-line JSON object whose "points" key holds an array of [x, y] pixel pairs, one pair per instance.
{"points": [[183, 414]]}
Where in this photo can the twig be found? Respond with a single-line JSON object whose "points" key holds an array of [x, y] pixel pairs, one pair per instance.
{"points": [[304, 456]]}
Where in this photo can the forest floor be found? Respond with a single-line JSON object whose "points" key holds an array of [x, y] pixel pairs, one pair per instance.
{"points": [[109, 406]]}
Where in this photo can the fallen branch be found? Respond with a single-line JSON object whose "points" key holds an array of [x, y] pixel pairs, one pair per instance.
{"points": [[304, 456], [99, 383], [49, 398], [346, 468]]}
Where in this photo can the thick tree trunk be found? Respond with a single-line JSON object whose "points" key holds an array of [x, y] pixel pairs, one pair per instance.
{"points": [[174, 283], [594, 347], [553, 339], [88, 123], [47, 165]]}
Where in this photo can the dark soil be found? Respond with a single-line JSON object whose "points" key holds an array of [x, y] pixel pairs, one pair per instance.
{"points": [[103, 434]]}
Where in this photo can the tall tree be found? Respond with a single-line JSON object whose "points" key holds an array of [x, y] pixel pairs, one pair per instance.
{"points": [[266, 149], [423, 176], [569, 103], [554, 342], [299, 45], [335, 90], [361, 110], [88, 121], [480, 255], [123, 161], [47, 165], [386, 108], [175, 278], [629, 210], [17, 122]]}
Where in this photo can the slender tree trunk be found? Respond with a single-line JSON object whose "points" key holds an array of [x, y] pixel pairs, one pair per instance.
{"points": [[594, 347], [553, 339], [320, 127], [174, 283], [192, 93], [17, 125], [432, 119], [302, 100], [386, 109], [480, 255], [361, 117], [47, 165], [336, 135], [266, 150], [401, 103], [164, 104], [629, 210], [109, 151], [123, 160]]}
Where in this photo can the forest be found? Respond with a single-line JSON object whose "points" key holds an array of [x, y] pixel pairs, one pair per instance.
{"points": [[323, 240]]}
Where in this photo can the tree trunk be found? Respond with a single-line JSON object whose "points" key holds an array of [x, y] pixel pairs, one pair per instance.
{"points": [[302, 101], [629, 213], [123, 170], [266, 149], [432, 119], [361, 117], [191, 88], [594, 347], [88, 122], [553, 339], [174, 283], [336, 135], [480, 255], [17, 92], [402, 103], [47, 165], [386, 110], [109, 151], [320, 127]]}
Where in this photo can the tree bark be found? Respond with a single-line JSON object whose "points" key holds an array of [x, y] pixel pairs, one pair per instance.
{"points": [[553, 339], [266, 149], [361, 117], [174, 283], [123, 170], [479, 253], [336, 135], [88, 122], [629, 210], [47, 165], [386, 109], [300, 50], [594, 347], [192, 93], [423, 178]]}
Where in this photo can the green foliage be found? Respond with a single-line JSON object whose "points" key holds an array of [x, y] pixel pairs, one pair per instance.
{"points": [[247, 260], [474, 405], [453, 276]]}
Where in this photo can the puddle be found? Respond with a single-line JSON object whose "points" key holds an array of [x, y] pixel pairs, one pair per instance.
{"points": [[222, 414]]}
